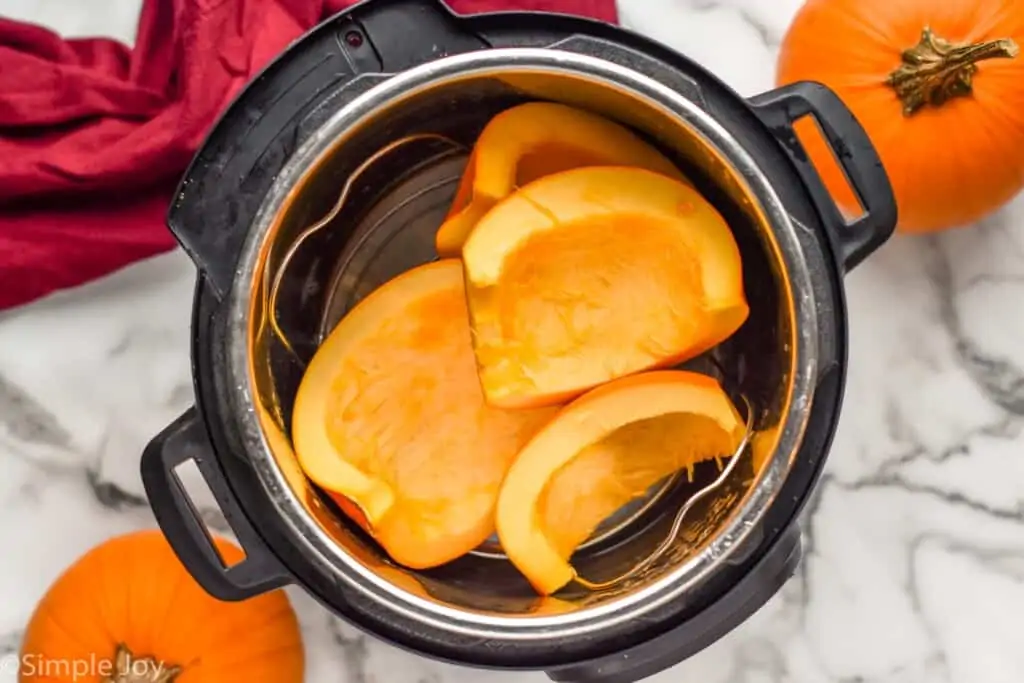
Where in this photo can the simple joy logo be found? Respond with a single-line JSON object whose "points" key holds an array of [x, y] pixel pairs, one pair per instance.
{"points": [[13, 665]]}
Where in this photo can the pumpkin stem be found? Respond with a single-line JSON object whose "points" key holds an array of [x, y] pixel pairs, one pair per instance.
{"points": [[131, 669], [936, 70]]}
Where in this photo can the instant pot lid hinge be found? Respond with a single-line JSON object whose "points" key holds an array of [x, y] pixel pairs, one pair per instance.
{"points": [[227, 181], [235, 167]]}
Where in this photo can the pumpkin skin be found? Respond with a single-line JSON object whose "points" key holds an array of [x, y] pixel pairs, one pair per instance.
{"points": [[951, 144], [528, 142], [133, 591]]}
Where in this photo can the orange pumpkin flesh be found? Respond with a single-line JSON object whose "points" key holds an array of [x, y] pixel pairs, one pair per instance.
{"points": [[131, 591], [528, 142], [601, 451], [390, 416], [937, 86], [594, 273]]}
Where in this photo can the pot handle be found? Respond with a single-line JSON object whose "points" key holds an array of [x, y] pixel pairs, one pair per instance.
{"points": [[183, 440], [780, 109]]}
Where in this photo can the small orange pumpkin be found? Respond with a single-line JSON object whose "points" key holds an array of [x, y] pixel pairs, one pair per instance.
{"points": [[938, 87], [128, 612]]}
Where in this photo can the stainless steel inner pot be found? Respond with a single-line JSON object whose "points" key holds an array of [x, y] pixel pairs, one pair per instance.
{"points": [[386, 226]]}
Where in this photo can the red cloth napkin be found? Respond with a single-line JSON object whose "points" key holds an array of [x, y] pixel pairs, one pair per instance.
{"points": [[95, 135]]}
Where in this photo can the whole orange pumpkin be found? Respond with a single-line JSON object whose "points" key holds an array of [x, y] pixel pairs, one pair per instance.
{"points": [[128, 612], [939, 88]]}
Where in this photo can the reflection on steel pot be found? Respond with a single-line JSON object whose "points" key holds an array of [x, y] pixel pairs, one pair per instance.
{"points": [[274, 165]]}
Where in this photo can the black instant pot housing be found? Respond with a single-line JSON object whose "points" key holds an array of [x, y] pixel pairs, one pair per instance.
{"points": [[232, 173]]}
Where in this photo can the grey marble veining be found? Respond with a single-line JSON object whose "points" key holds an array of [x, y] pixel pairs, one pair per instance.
{"points": [[915, 538]]}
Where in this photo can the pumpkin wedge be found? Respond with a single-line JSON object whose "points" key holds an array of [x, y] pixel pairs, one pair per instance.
{"points": [[600, 452], [390, 418], [528, 142], [595, 273]]}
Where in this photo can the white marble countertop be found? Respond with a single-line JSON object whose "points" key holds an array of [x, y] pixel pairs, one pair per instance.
{"points": [[915, 570]]}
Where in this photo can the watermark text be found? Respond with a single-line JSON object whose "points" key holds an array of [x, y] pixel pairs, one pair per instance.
{"points": [[79, 668]]}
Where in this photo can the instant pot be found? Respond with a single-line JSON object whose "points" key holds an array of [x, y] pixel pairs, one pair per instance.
{"points": [[329, 174]]}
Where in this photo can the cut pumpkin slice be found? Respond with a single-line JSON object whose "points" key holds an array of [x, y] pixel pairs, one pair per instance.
{"points": [[601, 451], [390, 419], [533, 140], [595, 273]]}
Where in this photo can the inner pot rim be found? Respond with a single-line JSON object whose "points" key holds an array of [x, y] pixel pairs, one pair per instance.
{"points": [[325, 553]]}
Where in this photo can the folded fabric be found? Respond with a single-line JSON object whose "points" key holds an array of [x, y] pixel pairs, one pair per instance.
{"points": [[94, 135]]}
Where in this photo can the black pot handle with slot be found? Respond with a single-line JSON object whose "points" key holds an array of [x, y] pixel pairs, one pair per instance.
{"points": [[339, 59], [780, 109], [186, 440]]}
